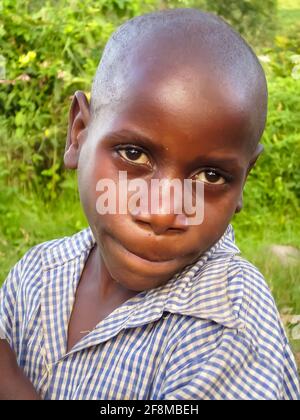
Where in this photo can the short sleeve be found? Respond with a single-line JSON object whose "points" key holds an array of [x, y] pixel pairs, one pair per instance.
{"points": [[2, 332], [8, 298], [11, 306], [265, 329], [250, 362], [291, 384], [233, 371]]}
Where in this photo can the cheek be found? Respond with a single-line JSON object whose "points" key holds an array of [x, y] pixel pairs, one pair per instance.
{"points": [[93, 166], [219, 209], [217, 215]]}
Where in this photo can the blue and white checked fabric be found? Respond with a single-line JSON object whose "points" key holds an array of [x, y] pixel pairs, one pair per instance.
{"points": [[212, 332]]}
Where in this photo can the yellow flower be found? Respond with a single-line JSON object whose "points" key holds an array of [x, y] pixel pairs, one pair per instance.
{"points": [[25, 59]]}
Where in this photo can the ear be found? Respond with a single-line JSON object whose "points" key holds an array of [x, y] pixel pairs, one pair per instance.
{"points": [[239, 203], [257, 152], [259, 149], [79, 116]]}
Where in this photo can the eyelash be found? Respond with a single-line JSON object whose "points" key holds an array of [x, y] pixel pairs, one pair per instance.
{"points": [[127, 147], [227, 178], [132, 147]]}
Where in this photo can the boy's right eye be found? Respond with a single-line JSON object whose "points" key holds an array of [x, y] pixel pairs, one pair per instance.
{"points": [[134, 155]]}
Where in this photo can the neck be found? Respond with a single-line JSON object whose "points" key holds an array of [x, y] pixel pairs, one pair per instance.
{"points": [[107, 287]]}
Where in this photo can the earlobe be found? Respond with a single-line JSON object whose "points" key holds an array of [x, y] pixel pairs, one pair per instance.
{"points": [[239, 206], [79, 116], [259, 149]]}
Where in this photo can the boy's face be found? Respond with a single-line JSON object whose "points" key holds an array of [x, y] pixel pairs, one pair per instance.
{"points": [[173, 125]]}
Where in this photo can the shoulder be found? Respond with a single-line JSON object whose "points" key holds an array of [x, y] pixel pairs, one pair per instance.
{"points": [[34, 256], [233, 294], [246, 270], [254, 305], [236, 348], [246, 281], [46, 254], [32, 260]]}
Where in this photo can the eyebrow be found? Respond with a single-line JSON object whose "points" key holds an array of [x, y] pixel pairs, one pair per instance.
{"points": [[216, 161], [134, 136], [150, 143]]}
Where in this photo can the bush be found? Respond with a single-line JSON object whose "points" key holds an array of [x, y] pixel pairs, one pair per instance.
{"points": [[49, 52], [275, 182], [53, 50], [254, 19]]}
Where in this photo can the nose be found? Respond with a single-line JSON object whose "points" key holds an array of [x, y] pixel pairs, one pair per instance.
{"points": [[162, 222], [165, 211]]}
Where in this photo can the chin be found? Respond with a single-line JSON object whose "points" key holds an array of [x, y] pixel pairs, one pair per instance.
{"points": [[134, 272]]}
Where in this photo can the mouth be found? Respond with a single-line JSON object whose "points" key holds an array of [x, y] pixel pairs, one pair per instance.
{"points": [[143, 258]]}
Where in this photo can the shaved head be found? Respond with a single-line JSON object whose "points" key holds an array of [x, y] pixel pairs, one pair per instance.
{"points": [[197, 43], [178, 96]]}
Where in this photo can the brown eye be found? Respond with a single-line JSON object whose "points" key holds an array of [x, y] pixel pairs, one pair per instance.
{"points": [[134, 155], [210, 176]]}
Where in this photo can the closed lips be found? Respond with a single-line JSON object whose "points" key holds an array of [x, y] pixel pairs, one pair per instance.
{"points": [[146, 258]]}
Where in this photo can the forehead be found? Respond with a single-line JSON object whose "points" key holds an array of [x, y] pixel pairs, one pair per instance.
{"points": [[185, 105]]}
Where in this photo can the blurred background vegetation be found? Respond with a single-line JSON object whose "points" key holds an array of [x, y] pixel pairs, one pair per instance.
{"points": [[50, 49]]}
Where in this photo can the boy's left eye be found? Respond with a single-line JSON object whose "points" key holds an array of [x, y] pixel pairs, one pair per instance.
{"points": [[210, 176], [135, 155]]}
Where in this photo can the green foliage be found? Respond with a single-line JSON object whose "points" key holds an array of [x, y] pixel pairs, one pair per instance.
{"points": [[254, 19], [50, 49], [49, 52], [275, 182]]}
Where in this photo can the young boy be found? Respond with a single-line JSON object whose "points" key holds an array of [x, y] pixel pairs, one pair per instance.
{"points": [[146, 305]]}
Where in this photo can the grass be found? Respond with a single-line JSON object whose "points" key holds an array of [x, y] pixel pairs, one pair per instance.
{"points": [[288, 13], [287, 16], [31, 222], [284, 280], [27, 220]]}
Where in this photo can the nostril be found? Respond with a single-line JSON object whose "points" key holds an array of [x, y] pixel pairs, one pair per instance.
{"points": [[161, 223], [149, 227], [141, 222], [144, 224]]}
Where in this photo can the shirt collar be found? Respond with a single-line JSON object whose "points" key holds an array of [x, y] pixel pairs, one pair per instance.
{"points": [[200, 290]]}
